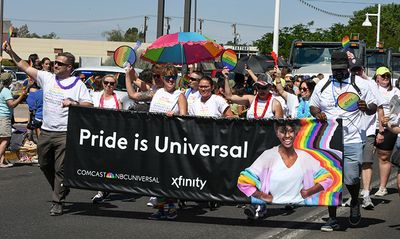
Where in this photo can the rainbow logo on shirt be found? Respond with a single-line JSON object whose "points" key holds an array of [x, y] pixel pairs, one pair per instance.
{"points": [[348, 101], [229, 59], [314, 138]]}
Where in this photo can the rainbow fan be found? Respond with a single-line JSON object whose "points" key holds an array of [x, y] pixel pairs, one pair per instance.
{"points": [[124, 55], [229, 59]]}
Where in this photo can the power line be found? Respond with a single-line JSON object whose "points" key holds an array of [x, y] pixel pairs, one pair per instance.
{"points": [[351, 2], [325, 11], [76, 21]]}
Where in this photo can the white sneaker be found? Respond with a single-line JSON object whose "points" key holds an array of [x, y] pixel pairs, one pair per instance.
{"points": [[367, 203], [261, 211], [152, 202], [381, 192], [100, 197]]}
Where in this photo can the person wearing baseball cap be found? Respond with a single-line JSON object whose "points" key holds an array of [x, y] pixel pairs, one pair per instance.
{"points": [[384, 149], [7, 103]]}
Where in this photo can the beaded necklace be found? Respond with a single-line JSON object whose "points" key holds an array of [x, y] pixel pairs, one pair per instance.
{"points": [[68, 86], [265, 107]]}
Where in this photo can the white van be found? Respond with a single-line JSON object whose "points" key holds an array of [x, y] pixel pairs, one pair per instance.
{"points": [[104, 70]]}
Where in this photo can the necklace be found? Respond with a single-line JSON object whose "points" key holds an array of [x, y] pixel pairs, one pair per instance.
{"points": [[68, 86], [265, 107], [115, 99]]}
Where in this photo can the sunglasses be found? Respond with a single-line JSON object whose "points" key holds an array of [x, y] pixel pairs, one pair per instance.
{"points": [[60, 63], [169, 78], [262, 87], [193, 79], [303, 89], [385, 76], [109, 83]]}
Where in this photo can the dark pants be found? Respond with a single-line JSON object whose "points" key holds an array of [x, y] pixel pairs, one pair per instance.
{"points": [[51, 152]]}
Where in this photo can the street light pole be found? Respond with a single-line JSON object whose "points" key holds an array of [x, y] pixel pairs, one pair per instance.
{"points": [[367, 23]]}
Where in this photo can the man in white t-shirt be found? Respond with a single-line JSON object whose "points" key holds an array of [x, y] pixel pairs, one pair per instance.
{"points": [[347, 97], [60, 91]]}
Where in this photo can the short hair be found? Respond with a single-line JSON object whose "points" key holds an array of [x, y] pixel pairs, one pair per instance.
{"points": [[69, 56], [146, 76], [294, 123], [207, 78], [170, 70]]}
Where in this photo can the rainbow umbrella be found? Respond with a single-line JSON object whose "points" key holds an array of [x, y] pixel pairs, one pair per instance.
{"points": [[182, 48]]}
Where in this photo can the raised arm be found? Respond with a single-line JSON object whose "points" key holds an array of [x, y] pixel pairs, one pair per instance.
{"points": [[130, 76], [22, 65], [241, 100]]}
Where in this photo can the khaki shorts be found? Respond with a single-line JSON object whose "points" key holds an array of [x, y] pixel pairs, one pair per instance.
{"points": [[5, 127]]}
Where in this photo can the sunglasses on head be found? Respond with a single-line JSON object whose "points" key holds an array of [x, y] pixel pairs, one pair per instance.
{"points": [[60, 63], [169, 78], [109, 83]]}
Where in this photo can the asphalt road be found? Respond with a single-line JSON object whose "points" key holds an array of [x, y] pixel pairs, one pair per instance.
{"points": [[25, 205]]}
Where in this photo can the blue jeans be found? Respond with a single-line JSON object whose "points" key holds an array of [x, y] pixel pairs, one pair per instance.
{"points": [[352, 158]]}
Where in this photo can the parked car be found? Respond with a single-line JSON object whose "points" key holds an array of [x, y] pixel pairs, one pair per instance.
{"points": [[94, 71]]}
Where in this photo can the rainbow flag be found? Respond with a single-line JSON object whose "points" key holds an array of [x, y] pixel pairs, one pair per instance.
{"points": [[314, 138], [346, 42], [10, 32], [184, 82]]}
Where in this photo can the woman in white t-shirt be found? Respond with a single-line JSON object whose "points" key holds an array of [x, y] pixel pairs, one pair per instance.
{"points": [[385, 148], [209, 104], [108, 99], [170, 101]]}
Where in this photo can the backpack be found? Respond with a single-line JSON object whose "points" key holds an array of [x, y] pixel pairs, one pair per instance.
{"points": [[352, 82]]}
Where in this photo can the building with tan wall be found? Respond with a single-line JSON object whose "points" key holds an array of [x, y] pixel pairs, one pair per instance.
{"points": [[79, 48]]}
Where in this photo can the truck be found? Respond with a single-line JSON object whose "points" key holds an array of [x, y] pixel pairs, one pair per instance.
{"points": [[376, 58], [395, 65], [311, 57]]}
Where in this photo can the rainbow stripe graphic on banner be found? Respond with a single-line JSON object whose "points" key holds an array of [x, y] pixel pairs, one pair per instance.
{"points": [[229, 59], [348, 101], [124, 54], [346, 42], [314, 138]]}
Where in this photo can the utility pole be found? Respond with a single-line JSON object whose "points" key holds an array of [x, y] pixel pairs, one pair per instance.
{"points": [[1, 25], [235, 35], [195, 16], [186, 15], [160, 18], [201, 26], [167, 24], [145, 28]]}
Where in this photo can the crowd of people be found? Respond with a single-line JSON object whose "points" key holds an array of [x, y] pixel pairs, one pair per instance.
{"points": [[369, 130]]}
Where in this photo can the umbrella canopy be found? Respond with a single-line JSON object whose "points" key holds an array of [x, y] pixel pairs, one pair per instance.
{"points": [[257, 63], [182, 48]]}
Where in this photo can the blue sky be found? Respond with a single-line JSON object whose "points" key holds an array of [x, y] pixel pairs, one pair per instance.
{"points": [[253, 17]]}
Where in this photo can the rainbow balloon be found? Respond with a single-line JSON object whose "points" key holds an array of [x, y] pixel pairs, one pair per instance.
{"points": [[314, 138], [123, 55], [348, 101], [346, 42], [229, 59]]}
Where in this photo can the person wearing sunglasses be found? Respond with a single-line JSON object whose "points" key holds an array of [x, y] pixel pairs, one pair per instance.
{"points": [[298, 106], [170, 101], [107, 99], [262, 105], [60, 90]]}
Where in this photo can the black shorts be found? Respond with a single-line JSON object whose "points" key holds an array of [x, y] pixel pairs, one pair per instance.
{"points": [[388, 142]]}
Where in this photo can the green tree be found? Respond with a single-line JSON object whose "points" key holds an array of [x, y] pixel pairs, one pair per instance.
{"points": [[130, 35], [23, 32]]}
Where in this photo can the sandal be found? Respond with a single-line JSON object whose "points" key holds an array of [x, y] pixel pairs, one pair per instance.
{"points": [[6, 165]]}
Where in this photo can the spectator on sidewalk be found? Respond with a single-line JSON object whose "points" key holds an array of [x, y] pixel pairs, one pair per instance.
{"points": [[7, 104]]}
